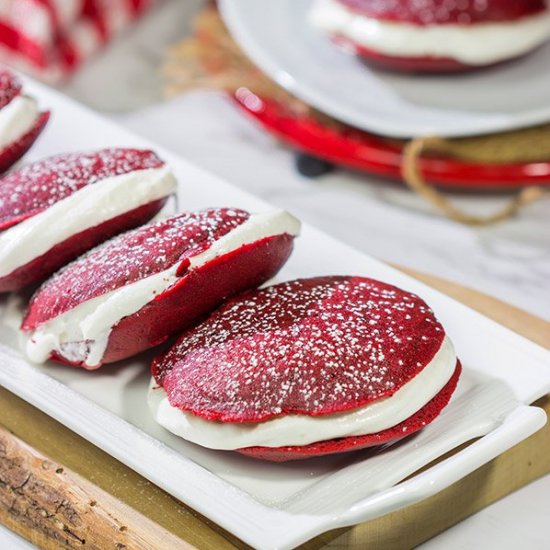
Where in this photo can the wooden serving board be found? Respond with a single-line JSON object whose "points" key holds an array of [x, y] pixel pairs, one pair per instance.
{"points": [[59, 490]]}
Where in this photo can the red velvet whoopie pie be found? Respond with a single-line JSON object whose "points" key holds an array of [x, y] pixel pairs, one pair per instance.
{"points": [[434, 35], [307, 368], [21, 122], [136, 290], [53, 210]]}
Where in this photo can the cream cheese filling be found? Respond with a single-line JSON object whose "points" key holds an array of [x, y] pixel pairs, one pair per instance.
{"points": [[86, 208], [16, 119], [476, 44], [302, 429], [84, 330]]}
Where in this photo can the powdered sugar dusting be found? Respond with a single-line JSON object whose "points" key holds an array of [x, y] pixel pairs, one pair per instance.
{"points": [[35, 187], [428, 12], [130, 257], [310, 346]]}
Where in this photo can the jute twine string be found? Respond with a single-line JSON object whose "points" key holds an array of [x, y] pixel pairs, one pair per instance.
{"points": [[212, 59], [413, 178]]}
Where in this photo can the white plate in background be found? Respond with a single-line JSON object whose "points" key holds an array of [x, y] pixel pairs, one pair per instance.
{"points": [[278, 38], [272, 505]]}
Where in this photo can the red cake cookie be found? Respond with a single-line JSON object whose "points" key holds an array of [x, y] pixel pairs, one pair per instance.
{"points": [[20, 120], [434, 35], [307, 368], [55, 209], [134, 291]]}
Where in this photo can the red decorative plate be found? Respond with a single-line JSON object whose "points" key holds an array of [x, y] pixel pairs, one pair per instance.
{"points": [[366, 152]]}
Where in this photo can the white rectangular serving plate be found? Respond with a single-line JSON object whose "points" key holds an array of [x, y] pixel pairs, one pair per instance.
{"points": [[271, 505]]}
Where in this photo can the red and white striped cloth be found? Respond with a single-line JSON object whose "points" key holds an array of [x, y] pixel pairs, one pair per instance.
{"points": [[51, 38]]}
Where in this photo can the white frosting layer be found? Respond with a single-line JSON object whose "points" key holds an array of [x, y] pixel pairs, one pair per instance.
{"points": [[88, 207], [16, 119], [301, 429], [84, 330], [476, 44]]}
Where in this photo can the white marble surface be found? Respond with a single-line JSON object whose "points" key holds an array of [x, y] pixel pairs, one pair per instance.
{"points": [[510, 260]]}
